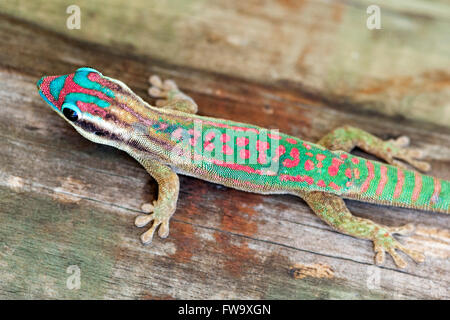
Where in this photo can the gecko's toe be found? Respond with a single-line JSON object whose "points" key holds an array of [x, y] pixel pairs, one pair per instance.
{"points": [[169, 85], [402, 141], [397, 259], [163, 230], [403, 230], [142, 220], [155, 81], [155, 92], [147, 236], [161, 102], [413, 254], [147, 207], [410, 156], [380, 254], [385, 242]]}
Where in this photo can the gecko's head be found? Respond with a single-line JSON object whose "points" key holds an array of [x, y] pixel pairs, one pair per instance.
{"points": [[93, 104]]}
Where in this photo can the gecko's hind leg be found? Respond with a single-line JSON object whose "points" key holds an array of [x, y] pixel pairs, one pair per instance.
{"points": [[347, 137], [334, 212], [169, 96]]}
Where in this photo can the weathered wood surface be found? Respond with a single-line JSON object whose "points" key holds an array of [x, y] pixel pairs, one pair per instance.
{"points": [[66, 201], [324, 46]]}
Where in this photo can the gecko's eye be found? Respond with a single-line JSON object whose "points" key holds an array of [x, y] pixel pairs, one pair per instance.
{"points": [[70, 112]]}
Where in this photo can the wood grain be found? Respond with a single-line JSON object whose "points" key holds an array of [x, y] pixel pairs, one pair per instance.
{"points": [[401, 70], [66, 201]]}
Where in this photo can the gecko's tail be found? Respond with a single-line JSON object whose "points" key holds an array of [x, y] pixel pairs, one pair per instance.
{"points": [[381, 183]]}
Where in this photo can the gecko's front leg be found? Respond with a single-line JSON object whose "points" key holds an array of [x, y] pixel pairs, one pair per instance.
{"points": [[169, 96], [164, 207]]}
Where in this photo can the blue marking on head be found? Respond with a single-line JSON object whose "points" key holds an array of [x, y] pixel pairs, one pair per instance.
{"points": [[87, 69], [56, 85]]}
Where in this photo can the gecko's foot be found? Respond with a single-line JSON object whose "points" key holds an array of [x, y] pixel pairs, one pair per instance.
{"points": [[159, 218], [398, 149], [169, 96], [164, 91], [385, 242]]}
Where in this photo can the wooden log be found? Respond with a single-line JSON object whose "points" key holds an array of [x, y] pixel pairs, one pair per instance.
{"points": [[402, 69], [65, 201]]}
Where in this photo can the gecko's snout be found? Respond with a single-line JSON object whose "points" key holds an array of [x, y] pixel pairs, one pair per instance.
{"points": [[40, 81], [38, 84]]}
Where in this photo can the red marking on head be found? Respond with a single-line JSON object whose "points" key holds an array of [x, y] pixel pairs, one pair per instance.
{"points": [[355, 160], [309, 154], [91, 108], [95, 77], [343, 156], [383, 180], [70, 86], [320, 157], [307, 146], [45, 89]]}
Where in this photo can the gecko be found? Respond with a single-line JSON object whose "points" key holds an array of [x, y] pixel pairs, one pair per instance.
{"points": [[170, 138]]}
